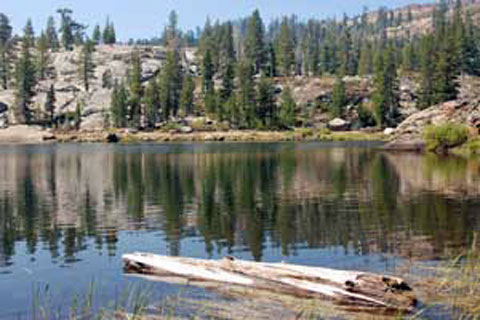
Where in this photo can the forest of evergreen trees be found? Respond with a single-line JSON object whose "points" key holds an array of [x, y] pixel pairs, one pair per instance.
{"points": [[240, 62]]}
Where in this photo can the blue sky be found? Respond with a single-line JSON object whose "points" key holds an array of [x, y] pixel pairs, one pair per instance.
{"points": [[146, 18]]}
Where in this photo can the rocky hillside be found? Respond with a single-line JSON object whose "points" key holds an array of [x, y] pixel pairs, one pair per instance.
{"points": [[464, 110], [69, 90], [312, 94], [422, 16]]}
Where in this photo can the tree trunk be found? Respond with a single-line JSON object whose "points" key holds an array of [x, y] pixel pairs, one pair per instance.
{"points": [[351, 288]]}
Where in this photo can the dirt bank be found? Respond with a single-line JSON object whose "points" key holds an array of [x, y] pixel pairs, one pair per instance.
{"points": [[25, 134]]}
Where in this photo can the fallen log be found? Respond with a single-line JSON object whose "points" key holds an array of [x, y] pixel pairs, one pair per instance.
{"points": [[349, 288]]}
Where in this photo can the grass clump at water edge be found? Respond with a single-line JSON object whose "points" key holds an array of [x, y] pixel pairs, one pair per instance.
{"points": [[441, 138], [456, 283], [133, 303]]}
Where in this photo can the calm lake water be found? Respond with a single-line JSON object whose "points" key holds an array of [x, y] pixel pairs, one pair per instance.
{"points": [[68, 212]]}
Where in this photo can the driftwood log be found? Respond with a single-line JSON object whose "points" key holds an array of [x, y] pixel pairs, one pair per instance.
{"points": [[348, 288]]}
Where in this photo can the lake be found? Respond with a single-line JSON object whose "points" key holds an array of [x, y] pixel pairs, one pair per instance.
{"points": [[69, 211]]}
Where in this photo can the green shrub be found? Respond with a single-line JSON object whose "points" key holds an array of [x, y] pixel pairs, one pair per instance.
{"points": [[304, 132], [171, 126], [446, 136], [324, 131]]}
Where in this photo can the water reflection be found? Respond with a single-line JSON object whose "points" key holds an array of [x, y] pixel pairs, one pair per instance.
{"points": [[235, 198]]}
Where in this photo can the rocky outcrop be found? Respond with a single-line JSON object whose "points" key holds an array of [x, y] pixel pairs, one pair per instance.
{"points": [[113, 61], [409, 134]]}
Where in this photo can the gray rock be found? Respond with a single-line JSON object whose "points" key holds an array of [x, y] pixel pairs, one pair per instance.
{"points": [[388, 131], [186, 129], [3, 122], [338, 124]]}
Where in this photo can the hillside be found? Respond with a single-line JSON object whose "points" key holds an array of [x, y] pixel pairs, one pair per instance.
{"points": [[69, 91], [245, 75], [422, 17]]}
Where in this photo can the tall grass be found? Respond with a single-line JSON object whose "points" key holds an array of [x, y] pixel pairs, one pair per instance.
{"points": [[457, 283], [441, 138], [132, 304]]}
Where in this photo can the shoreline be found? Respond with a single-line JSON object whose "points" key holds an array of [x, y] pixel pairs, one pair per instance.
{"points": [[298, 135], [37, 135]]}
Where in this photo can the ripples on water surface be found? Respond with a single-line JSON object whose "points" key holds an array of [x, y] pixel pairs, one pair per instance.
{"points": [[68, 212]]}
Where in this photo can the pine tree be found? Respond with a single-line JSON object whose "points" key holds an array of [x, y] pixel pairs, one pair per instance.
{"points": [[445, 76], [135, 89], [448, 50], [107, 79], [303, 57], [171, 36], [4, 66], [266, 106], [329, 55], [5, 30], [206, 39], [113, 34], [254, 46], [25, 82], [409, 59], [287, 109], [211, 101], [170, 84], [43, 56], [285, 53], [470, 50], [365, 65], [5, 36], [97, 35], [271, 66], [66, 28], [79, 37], [29, 34], [119, 105], [86, 66], [51, 34], [380, 85], [386, 91], [231, 111], [207, 70], [339, 98], [78, 115], [315, 59], [50, 104], [227, 50], [106, 32], [109, 35], [246, 94], [152, 103], [440, 20], [346, 58], [187, 96], [456, 30], [227, 83], [427, 69]]}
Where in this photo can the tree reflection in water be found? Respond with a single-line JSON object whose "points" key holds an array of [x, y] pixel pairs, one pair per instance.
{"points": [[236, 200]]}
